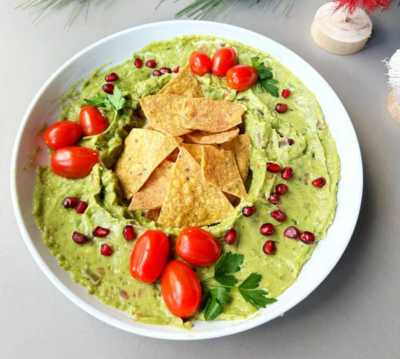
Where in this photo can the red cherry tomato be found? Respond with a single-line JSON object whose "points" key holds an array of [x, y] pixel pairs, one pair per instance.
{"points": [[62, 134], [197, 247], [241, 77], [92, 121], [223, 59], [149, 256], [180, 289], [73, 162], [200, 63]]}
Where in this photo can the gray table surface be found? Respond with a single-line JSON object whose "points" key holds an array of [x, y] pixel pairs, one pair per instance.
{"points": [[353, 314]]}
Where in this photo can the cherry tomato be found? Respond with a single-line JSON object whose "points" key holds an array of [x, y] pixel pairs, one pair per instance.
{"points": [[241, 77], [180, 289], [223, 59], [200, 63], [73, 162], [149, 256], [62, 134], [92, 120], [197, 247]]}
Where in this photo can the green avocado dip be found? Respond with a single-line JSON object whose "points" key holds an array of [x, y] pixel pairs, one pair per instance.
{"points": [[298, 138]]}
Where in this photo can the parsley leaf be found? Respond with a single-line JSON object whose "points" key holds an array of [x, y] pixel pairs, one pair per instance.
{"points": [[256, 297], [115, 101], [265, 77], [215, 302], [270, 86], [228, 264]]}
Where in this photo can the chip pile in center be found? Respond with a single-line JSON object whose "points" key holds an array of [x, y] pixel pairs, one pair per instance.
{"points": [[189, 164]]}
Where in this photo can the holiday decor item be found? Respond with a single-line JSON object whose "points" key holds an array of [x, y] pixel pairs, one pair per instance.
{"points": [[343, 27], [393, 100]]}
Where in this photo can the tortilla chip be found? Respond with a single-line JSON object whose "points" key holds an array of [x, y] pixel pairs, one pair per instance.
{"points": [[164, 115], [219, 167], [144, 151], [211, 115], [178, 115], [152, 214], [151, 195], [241, 148], [207, 138], [184, 84], [190, 200], [195, 150]]}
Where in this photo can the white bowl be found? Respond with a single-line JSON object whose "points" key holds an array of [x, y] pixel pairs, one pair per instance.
{"points": [[119, 47]]}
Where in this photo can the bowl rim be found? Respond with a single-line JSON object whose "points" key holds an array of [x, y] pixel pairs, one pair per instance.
{"points": [[151, 331]]}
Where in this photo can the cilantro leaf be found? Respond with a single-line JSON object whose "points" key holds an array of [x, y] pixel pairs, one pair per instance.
{"points": [[99, 100], [228, 264], [266, 77], [115, 101], [270, 86], [251, 282], [216, 300], [256, 297]]}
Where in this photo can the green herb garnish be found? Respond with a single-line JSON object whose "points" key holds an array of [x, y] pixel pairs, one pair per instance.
{"points": [[218, 297], [115, 101], [256, 297], [266, 77], [228, 264]]}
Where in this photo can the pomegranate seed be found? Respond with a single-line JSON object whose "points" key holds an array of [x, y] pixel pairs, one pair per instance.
{"points": [[230, 236], [248, 211], [151, 63], [279, 215], [274, 198], [111, 77], [79, 238], [101, 232], [269, 247], [108, 88], [319, 182], [281, 107], [156, 73], [81, 207], [175, 69], [307, 237], [138, 63], [106, 250], [281, 188], [287, 173], [129, 233], [273, 167], [70, 202], [165, 70], [291, 232], [290, 141], [267, 229], [286, 93]]}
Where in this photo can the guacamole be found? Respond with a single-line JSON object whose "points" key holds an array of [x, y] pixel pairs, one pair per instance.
{"points": [[298, 138]]}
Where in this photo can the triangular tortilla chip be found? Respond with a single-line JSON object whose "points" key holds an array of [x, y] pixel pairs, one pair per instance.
{"points": [[241, 146], [144, 151], [211, 115], [219, 167], [195, 150], [206, 138], [164, 115], [152, 194], [184, 84], [190, 200], [178, 115]]}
